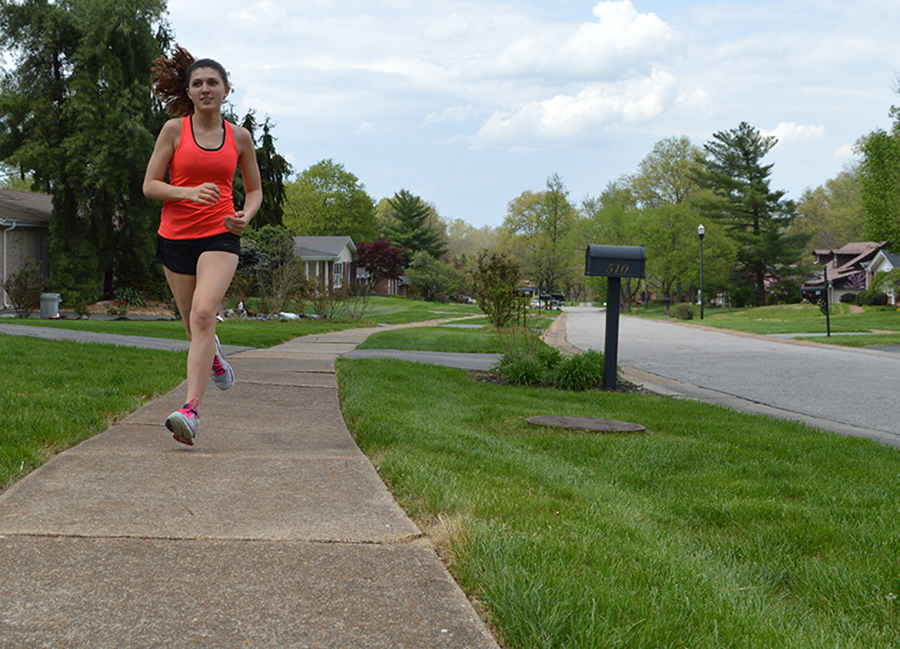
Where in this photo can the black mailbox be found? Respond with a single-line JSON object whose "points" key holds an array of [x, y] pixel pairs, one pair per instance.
{"points": [[614, 261], [812, 293]]}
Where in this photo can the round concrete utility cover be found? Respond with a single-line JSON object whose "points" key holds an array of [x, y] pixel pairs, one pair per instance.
{"points": [[587, 423]]}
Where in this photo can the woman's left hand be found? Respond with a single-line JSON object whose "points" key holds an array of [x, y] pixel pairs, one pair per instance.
{"points": [[236, 224]]}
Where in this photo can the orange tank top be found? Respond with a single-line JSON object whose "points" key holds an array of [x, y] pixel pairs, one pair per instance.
{"points": [[192, 165]]}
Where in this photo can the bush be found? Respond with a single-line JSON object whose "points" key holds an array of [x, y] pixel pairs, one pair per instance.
{"points": [[527, 360], [269, 270], [848, 298], [580, 372], [520, 368], [682, 311], [871, 298], [494, 283], [24, 288], [131, 296]]}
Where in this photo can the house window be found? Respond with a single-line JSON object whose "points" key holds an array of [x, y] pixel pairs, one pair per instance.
{"points": [[338, 274]]}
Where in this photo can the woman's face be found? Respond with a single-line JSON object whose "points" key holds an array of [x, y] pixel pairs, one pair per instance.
{"points": [[207, 89]]}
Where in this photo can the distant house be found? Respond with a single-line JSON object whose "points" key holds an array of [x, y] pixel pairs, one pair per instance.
{"points": [[25, 222], [847, 267], [883, 262], [399, 286], [329, 261]]}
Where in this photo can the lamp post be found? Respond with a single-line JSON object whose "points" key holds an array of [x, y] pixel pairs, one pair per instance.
{"points": [[700, 232]]}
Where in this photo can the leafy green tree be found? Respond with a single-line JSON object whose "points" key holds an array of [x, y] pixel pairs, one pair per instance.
{"points": [[880, 178], [433, 279], [832, 213], [327, 200], [537, 228], [667, 176], [408, 226], [755, 216], [669, 234], [76, 113], [466, 241], [609, 219]]}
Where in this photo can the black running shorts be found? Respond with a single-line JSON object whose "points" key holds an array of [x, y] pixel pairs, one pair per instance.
{"points": [[181, 255]]}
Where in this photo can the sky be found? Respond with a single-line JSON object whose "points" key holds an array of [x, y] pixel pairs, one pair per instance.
{"points": [[469, 103]]}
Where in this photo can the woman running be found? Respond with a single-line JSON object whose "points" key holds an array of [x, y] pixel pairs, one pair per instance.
{"points": [[199, 235]]}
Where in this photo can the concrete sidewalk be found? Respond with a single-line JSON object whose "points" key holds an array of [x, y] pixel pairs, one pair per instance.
{"points": [[273, 531]]}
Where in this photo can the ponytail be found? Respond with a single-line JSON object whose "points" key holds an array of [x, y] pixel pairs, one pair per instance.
{"points": [[169, 80]]}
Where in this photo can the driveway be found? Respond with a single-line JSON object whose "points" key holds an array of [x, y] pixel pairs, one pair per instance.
{"points": [[850, 391]]}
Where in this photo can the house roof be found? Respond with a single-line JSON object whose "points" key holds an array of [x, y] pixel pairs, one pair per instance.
{"points": [[847, 261], [322, 248], [25, 208], [890, 258]]}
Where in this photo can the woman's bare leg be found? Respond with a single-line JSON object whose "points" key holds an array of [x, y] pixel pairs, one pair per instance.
{"points": [[198, 298]]}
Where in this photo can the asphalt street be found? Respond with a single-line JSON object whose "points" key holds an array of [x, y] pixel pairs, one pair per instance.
{"points": [[849, 391]]}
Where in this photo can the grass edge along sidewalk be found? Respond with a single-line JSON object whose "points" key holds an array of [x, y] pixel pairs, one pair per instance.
{"points": [[716, 528], [58, 393]]}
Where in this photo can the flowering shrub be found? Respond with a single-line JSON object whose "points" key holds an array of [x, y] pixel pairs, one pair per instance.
{"points": [[117, 309]]}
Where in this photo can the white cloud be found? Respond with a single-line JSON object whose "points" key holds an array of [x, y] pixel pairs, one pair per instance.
{"points": [[454, 114], [407, 67], [846, 152], [621, 38], [791, 132], [565, 117]]}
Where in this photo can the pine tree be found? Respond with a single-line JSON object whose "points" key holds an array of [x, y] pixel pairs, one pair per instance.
{"points": [[756, 217], [273, 171], [410, 229]]}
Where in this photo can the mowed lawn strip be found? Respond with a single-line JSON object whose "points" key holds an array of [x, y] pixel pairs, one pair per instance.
{"points": [[436, 339], [55, 394], [261, 334], [713, 529]]}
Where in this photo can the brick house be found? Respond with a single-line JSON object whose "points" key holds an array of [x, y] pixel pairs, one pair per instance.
{"points": [[25, 225]]}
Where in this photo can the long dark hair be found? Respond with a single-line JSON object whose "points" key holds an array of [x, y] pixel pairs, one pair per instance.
{"points": [[170, 76]]}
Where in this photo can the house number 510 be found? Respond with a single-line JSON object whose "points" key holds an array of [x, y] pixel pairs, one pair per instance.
{"points": [[617, 269]]}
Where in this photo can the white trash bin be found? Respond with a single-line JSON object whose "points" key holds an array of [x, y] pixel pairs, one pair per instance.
{"points": [[50, 305]]}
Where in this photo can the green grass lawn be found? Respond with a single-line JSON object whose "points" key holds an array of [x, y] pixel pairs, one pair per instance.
{"points": [[55, 394], [713, 529], [436, 339], [253, 333]]}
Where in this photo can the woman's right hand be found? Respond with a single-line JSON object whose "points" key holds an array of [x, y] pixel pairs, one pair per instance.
{"points": [[205, 194]]}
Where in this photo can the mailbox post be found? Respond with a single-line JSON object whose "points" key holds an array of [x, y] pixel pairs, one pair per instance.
{"points": [[614, 263]]}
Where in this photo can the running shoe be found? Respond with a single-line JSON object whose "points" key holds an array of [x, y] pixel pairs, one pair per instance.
{"points": [[184, 423], [221, 373]]}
